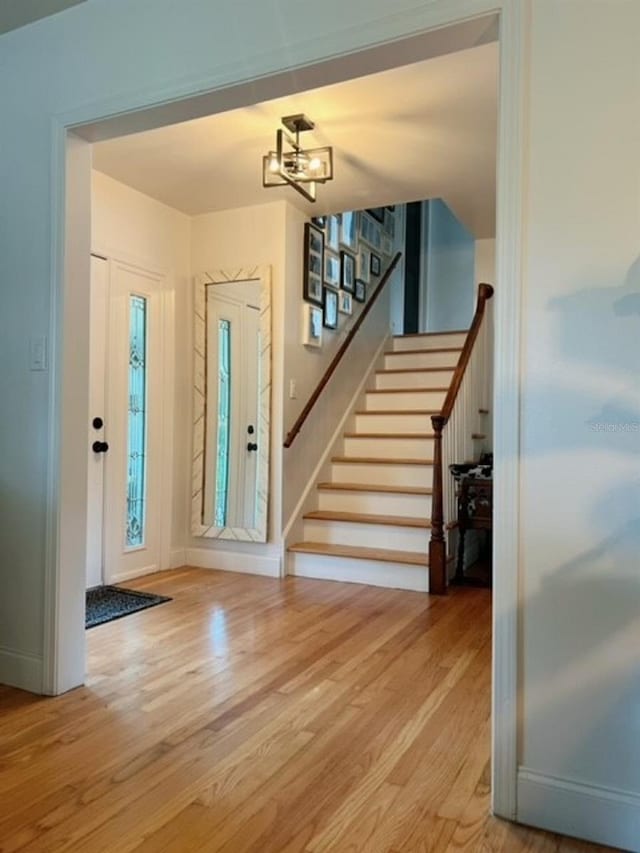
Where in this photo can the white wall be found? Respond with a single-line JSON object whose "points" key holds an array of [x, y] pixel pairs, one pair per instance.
{"points": [[306, 366], [581, 489], [485, 262], [129, 226], [579, 540], [446, 270]]}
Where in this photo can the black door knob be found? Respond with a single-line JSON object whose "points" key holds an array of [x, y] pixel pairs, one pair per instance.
{"points": [[250, 429], [252, 446], [97, 423], [99, 446]]}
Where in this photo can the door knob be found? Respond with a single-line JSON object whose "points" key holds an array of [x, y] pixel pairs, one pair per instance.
{"points": [[97, 423], [99, 446], [252, 446]]}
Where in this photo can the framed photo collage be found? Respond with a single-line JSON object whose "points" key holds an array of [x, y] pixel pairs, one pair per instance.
{"points": [[343, 256]]}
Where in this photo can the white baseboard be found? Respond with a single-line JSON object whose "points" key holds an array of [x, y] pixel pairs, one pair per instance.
{"points": [[133, 573], [337, 434], [18, 669], [177, 558], [234, 561], [601, 815]]}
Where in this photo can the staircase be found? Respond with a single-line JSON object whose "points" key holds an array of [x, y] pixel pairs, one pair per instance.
{"points": [[372, 523]]}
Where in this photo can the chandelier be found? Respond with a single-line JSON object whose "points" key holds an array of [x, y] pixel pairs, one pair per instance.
{"points": [[290, 163]]}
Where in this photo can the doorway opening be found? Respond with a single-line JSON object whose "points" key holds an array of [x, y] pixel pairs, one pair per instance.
{"points": [[65, 672]]}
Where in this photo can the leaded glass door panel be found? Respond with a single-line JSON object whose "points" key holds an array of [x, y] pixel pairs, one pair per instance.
{"points": [[134, 423]]}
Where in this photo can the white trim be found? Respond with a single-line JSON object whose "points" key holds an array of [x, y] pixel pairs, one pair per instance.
{"points": [[168, 419], [337, 434], [18, 669], [602, 815], [133, 573], [511, 161], [233, 561], [53, 653]]}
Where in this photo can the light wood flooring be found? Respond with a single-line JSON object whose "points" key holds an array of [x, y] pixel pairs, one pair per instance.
{"points": [[257, 715]]}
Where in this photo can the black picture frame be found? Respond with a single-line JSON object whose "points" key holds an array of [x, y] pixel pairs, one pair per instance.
{"points": [[360, 292], [377, 213], [376, 264], [313, 265], [319, 221], [330, 308], [347, 271]]}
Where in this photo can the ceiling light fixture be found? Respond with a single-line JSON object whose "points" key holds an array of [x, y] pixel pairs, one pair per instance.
{"points": [[292, 164]]}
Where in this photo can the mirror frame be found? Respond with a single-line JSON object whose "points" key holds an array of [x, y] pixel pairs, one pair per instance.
{"points": [[202, 282]]}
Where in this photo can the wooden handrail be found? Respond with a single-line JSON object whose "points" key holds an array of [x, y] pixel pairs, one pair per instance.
{"points": [[437, 545], [313, 399], [485, 292]]}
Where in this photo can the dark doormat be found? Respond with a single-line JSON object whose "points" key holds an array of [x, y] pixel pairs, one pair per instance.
{"points": [[106, 603]]}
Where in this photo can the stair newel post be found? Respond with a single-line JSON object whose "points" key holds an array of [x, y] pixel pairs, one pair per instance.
{"points": [[437, 547]]}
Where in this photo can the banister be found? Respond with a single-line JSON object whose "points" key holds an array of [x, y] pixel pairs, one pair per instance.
{"points": [[304, 414], [485, 292], [437, 544]]}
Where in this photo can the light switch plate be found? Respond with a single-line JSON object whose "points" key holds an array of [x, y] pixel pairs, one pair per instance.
{"points": [[38, 357]]}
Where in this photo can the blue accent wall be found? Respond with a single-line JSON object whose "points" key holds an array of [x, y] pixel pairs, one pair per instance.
{"points": [[448, 270]]}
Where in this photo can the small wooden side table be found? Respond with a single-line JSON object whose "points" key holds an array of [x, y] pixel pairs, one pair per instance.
{"points": [[475, 512]]}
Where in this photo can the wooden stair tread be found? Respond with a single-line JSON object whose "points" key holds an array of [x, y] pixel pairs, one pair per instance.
{"points": [[383, 555], [381, 460], [369, 518], [374, 487], [432, 334], [398, 412], [395, 370], [405, 390], [421, 351], [409, 435]]}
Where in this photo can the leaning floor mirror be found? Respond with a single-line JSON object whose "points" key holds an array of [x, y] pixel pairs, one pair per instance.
{"points": [[231, 406]]}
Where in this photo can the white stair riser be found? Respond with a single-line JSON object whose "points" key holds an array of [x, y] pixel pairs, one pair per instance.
{"points": [[400, 360], [398, 422], [423, 379], [429, 341], [367, 535], [389, 475], [400, 400], [378, 503], [389, 448], [392, 575]]}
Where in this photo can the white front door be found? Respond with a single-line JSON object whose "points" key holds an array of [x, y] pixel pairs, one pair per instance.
{"points": [[127, 394]]}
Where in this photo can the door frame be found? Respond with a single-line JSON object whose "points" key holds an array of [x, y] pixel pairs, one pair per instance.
{"points": [[66, 475]]}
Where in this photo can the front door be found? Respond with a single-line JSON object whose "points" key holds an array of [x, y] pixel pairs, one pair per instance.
{"points": [[126, 421]]}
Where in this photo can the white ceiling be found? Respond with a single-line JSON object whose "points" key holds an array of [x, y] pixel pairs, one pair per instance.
{"points": [[426, 130], [17, 13]]}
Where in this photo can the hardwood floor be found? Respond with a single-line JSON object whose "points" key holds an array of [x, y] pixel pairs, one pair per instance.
{"points": [[256, 715]]}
